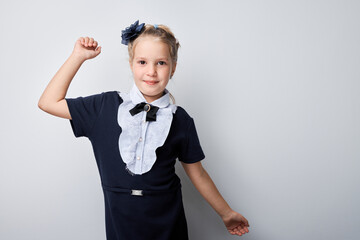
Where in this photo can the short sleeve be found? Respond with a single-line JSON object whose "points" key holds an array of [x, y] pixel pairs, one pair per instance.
{"points": [[190, 149], [84, 112]]}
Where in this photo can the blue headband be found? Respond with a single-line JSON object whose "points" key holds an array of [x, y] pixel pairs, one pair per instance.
{"points": [[155, 26]]}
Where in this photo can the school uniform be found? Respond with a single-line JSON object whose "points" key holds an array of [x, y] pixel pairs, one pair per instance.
{"points": [[136, 148]]}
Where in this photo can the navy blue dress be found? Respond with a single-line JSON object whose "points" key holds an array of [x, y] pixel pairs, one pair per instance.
{"points": [[156, 212]]}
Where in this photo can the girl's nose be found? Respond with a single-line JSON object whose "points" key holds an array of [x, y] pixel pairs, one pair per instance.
{"points": [[151, 70]]}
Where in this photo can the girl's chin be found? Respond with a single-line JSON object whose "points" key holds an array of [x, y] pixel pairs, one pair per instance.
{"points": [[152, 95]]}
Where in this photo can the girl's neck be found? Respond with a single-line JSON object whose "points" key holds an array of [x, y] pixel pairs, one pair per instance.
{"points": [[150, 99]]}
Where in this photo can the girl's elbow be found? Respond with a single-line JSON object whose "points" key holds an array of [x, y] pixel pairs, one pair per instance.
{"points": [[41, 105]]}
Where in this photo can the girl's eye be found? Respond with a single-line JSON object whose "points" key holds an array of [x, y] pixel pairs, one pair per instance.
{"points": [[162, 63], [142, 62]]}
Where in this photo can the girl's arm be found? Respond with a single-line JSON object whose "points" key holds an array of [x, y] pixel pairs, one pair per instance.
{"points": [[234, 222], [53, 98]]}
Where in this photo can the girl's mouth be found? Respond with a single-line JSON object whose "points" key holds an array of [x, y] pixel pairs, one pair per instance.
{"points": [[151, 82]]}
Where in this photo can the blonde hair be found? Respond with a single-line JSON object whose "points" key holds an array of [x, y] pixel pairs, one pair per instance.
{"points": [[165, 35]]}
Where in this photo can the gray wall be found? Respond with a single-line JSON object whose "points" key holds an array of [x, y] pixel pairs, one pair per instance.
{"points": [[273, 87]]}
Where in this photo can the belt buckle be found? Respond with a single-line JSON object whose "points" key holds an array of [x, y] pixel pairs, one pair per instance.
{"points": [[136, 192]]}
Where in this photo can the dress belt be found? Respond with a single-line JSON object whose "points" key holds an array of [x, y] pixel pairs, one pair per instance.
{"points": [[140, 192]]}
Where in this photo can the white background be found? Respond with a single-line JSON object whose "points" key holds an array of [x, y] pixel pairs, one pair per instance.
{"points": [[273, 87]]}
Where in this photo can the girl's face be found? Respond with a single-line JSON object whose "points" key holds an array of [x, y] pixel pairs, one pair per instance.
{"points": [[151, 67]]}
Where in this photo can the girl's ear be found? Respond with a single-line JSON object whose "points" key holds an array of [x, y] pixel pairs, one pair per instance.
{"points": [[131, 65], [173, 69]]}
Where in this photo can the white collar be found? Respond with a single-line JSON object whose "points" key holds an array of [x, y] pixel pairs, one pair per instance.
{"points": [[137, 97]]}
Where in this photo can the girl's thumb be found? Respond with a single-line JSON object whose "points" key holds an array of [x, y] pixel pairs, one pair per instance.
{"points": [[98, 50]]}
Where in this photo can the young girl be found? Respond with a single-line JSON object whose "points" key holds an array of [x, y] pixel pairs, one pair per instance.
{"points": [[137, 137]]}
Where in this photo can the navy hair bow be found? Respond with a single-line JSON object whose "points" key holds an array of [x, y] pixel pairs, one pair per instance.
{"points": [[131, 32]]}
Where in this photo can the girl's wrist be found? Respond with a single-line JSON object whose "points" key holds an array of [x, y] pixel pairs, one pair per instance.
{"points": [[77, 57], [226, 214]]}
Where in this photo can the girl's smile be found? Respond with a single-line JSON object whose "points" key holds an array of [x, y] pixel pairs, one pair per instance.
{"points": [[151, 82]]}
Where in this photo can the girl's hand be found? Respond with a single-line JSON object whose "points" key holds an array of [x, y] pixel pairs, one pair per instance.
{"points": [[86, 48], [236, 223]]}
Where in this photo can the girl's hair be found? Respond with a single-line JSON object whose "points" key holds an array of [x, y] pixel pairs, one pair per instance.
{"points": [[165, 35]]}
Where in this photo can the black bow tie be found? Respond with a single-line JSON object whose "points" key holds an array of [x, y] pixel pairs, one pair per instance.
{"points": [[150, 109]]}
